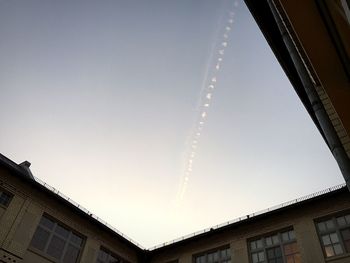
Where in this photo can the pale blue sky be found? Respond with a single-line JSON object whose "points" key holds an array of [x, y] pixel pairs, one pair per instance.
{"points": [[101, 96]]}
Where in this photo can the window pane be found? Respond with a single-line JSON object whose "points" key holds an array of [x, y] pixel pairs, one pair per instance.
{"points": [[341, 221], [5, 198], [259, 243], [40, 238], [261, 256], [278, 252], [338, 249], [291, 235], [61, 231], [216, 256], [46, 222], [76, 239], [329, 224], [51, 239], [223, 254], [268, 241], [347, 245], [274, 250], [326, 240], [56, 247], [275, 240], [346, 234], [253, 245], [334, 238], [270, 253], [321, 226], [219, 255], [285, 236], [347, 219], [71, 255], [113, 259], [102, 255], [274, 253], [329, 251]]}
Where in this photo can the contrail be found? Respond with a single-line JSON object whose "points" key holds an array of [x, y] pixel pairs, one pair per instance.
{"points": [[207, 90]]}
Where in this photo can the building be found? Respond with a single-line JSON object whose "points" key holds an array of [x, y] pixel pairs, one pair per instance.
{"points": [[38, 225], [311, 40], [305, 230]]}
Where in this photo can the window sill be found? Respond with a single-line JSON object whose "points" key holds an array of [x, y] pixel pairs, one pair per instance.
{"points": [[41, 254], [337, 257]]}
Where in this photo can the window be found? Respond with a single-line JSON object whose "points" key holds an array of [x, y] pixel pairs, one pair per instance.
{"points": [[57, 241], [106, 256], [334, 235], [279, 247], [219, 255], [5, 198]]}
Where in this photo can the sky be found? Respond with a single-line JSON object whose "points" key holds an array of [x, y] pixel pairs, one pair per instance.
{"points": [[104, 97]]}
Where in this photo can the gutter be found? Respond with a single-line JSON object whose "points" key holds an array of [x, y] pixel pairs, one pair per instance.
{"points": [[322, 117]]}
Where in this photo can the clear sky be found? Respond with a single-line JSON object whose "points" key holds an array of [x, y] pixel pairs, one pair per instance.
{"points": [[102, 98]]}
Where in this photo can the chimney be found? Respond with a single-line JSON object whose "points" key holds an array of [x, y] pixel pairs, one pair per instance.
{"points": [[25, 166]]}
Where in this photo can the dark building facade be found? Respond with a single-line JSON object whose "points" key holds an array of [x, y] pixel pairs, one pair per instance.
{"points": [[39, 224], [311, 40]]}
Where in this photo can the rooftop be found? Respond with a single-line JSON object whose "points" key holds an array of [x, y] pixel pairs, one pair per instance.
{"points": [[24, 174]]}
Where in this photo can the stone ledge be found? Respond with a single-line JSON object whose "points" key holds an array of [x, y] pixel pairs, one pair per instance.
{"points": [[7, 257]]}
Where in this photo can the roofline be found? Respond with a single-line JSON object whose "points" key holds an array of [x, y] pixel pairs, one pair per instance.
{"points": [[252, 217], [264, 18], [14, 167], [47, 189], [86, 214]]}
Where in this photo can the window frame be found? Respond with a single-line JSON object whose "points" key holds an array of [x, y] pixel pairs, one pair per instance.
{"points": [[337, 229], [265, 247], [10, 195], [211, 250], [52, 233], [111, 253]]}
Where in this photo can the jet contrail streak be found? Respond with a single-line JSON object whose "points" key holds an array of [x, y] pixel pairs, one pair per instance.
{"points": [[208, 87]]}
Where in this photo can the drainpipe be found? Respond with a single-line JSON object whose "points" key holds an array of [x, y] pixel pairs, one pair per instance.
{"points": [[326, 125]]}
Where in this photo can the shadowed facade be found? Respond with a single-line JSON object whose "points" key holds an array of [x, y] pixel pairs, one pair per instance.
{"points": [[39, 224]]}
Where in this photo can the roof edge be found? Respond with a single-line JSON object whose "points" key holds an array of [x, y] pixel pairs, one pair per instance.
{"points": [[253, 216], [22, 174]]}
